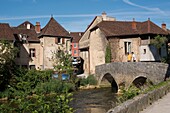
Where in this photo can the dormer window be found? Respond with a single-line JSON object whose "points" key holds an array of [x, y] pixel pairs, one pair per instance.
{"points": [[28, 26], [23, 38]]}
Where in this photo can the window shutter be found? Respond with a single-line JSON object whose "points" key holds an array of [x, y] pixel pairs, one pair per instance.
{"points": [[56, 40], [63, 41]]}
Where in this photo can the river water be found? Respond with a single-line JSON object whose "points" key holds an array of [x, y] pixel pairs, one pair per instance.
{"points": [[94, 100]]}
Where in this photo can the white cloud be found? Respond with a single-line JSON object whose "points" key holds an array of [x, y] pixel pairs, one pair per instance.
{"points": [[48, 16], [143, 7]]}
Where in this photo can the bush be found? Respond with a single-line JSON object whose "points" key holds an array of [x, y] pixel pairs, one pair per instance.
{"points": [[91, 80], [54, 86], [56, 103], [129, 93]]}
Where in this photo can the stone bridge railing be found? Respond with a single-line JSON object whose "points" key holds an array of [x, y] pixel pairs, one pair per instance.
{"points": [[126, 73]]}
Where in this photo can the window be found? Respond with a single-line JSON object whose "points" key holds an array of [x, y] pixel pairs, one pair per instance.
{"points": [[75, 45], [127, 46], [32, 52], [59, 40], [144, 51], [75, 51]]}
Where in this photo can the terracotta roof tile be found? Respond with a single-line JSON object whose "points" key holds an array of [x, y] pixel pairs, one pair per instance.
{"points": [[53, 28], [76, 36], [31, 34], [24, 25], [122, 28], [6, 32]]}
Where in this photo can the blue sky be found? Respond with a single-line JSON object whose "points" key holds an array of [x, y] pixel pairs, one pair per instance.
{"points": [[76, 15]]}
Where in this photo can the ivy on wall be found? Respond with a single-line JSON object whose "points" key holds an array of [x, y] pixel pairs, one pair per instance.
{"points": [[108, 54]]}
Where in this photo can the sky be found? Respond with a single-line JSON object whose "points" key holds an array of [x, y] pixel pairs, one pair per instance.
{"points": [[76, 15]]}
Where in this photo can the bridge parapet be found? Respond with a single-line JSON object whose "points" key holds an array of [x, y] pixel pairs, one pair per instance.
{"points": [[127, 72]]}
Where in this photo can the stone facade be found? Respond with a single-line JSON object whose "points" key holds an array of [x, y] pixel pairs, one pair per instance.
{"points": [[123, 38], [37, 46], [125, 73], [48, 49], [87, 44]]}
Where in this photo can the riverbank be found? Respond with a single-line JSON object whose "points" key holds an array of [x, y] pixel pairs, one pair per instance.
{"points": [[142, 101]]}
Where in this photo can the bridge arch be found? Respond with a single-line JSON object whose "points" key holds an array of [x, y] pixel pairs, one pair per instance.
{"points": [[139, 81], [108, 79]]}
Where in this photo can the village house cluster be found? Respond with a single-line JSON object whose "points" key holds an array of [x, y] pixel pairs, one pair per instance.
{"points": [[37, 45]]}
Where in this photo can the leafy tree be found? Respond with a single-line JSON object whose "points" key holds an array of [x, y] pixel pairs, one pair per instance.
{"points": [[63, 63], [7, 65], [159, 41]]}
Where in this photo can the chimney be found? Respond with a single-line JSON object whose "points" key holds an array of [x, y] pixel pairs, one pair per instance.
{"points": [[164, 26], [37, 27], [104, 16], [134, 24]]}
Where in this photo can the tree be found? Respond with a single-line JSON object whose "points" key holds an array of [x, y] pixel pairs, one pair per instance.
{"points": [[158, 42], [7, 55], [63, 63]]}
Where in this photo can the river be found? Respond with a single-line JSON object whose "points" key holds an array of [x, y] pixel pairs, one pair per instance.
{"points": [[94, 100]]}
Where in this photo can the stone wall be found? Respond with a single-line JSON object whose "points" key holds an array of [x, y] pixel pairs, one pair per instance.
{"points": [[129, 71], [140, 102]]}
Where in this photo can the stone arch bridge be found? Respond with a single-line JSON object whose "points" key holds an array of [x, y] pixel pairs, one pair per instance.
{"points": [[127, 73]]}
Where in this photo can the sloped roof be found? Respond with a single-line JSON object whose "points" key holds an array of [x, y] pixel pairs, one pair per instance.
{"points": [[6, 32], [53, 28], [122, 28], [31, 34], [22, 29], [24, 25], [76, 36]]}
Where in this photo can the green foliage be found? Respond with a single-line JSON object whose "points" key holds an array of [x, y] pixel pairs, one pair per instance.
{"points": [[108, 54], [63, 62], [54, 103], [32, 91], [36, 92], [7, 65], [159, 41], [164, 59], [91, 80], [128, 93], [25, 82], [54, 86]]}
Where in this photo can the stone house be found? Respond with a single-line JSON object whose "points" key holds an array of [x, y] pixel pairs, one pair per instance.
{"points": [[123, 37], [37, 46], [85, 41], [28, 45], [53, 37]]}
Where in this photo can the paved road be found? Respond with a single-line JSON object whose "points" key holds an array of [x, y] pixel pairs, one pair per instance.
{"points": [[160, 106]]}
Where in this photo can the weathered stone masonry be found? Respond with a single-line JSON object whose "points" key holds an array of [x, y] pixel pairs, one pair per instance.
{"points": [[126, 72]]}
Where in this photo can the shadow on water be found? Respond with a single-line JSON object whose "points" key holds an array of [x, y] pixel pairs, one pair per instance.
{"points": [[94, 100]]}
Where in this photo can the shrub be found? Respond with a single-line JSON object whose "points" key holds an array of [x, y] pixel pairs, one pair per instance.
{"points": [[129, 93], [91, 80]]}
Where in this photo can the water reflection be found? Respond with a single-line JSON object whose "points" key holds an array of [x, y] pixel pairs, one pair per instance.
{"points": [[94, 100]]}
